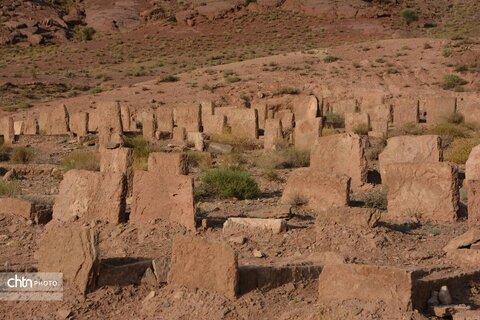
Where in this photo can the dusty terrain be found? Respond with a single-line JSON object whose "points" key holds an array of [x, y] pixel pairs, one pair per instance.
{"points": [[149, 56]]}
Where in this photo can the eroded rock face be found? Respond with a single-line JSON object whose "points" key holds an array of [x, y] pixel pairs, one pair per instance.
{"points": [[419, 149], [72, 250], [392, 285], [342, 154], [159, 195], [198, 263], [88, 195], [318, 190], [425, 191]]}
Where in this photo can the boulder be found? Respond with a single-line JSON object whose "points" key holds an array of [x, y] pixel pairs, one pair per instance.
{"points": [[159, 195], [318, 190], [342, 154], [88, 195], [197, 263], [427, 191], [72, 250], [420, 149]]}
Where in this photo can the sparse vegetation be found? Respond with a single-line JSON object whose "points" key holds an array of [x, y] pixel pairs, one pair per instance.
{"points": [[330, 59], [409, 15], [85, 33], [201, 160], [456, 118], [284, 158], [141, 150], [8, 188], [287, 90], [237, 141], [297, 200], [453, 82], [375, 199], [84, 160], [406, 129], [21, 155], [450, 131], [227, 183], [272, 175], [334, 120], [169, 78], [361, 129], [459, 150]]}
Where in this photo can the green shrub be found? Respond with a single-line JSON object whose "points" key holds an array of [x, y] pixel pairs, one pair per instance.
{"points": [[141, 150], [169, 78], [459, 150], [409, 15], [334, 120], [84, 160], [453, 82], [456, 118], [85, 33], [284, 158], [375, 199], [406, 129], [21, 155], [330, 59], [287, 90], [450, 131], [227, 183], [8, 188], [201, 160], [361, 129], [232, 79]]}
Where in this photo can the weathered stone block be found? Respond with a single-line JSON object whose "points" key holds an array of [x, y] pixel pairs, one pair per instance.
{"points": [[437, 109], [30, 126], [18, 127], [307, 133], [157, 195], [197, 263], [164, 118], [54, 121], [368, 283], [88, 195], [356, 119], [235, 225], [343, 106], [342, 154], [405, 111], [318, 190], [400, 149], [179, 134], [188, 115], [119, 160], [273, 133], [8, 130], [472, 166], [71, 250], [168, 163], [196, 138], [473, 203], [148, 125], [425, 191], [110, 130], [79, 123], [305, 107]]}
